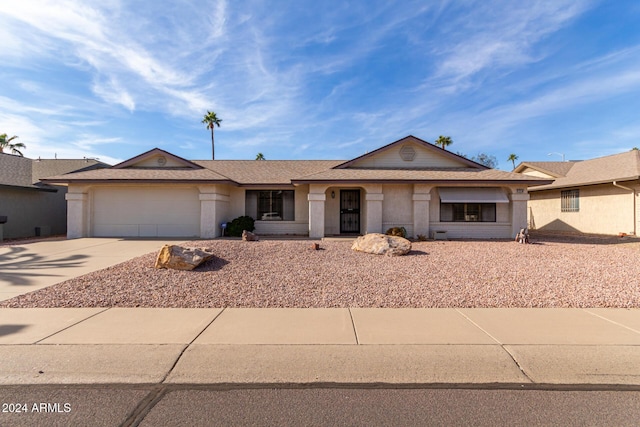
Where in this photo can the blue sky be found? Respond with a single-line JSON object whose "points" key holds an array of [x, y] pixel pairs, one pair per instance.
{"points": [[320, 80]]}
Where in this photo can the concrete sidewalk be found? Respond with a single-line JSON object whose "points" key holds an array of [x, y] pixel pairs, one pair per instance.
{"points": [[322, 346], [31, 266]]}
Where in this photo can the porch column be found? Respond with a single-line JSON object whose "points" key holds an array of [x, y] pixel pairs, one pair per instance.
{"points": [[518, 210], [77, 213], [213, 208], [316, 214], [374, 212]]}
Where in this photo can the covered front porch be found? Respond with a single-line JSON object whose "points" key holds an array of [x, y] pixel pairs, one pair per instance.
{"points": [[351, 209]]}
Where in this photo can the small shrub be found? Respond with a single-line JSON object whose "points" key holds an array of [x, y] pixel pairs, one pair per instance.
{"points": [[397, 231], [422, 238], [239, 224]]}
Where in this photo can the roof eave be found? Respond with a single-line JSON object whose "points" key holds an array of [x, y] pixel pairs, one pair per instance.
{"points": [[584, 184], [139, 181], [421, 181]]}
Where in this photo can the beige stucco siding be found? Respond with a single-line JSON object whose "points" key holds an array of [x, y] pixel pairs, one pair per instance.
{"points": [[397, 207], [535, 172], [604, 209], [393, 158], [145, 211]]}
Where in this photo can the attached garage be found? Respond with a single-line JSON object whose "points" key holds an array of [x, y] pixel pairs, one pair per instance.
{"points": [[145, 211]]}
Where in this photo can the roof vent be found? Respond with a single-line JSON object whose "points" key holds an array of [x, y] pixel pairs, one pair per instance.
{"points": [[407, 153]]}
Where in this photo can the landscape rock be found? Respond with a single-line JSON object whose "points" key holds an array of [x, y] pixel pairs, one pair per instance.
{"points": [[382, 244], [178, 258], [249, 236]]}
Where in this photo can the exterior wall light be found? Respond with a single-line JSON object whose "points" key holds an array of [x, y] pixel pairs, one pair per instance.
{"points": [[333, 194]]}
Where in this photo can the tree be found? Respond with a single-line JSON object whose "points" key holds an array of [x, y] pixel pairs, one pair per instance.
{"points": [[486, 159], [260, 156], [512, 158], [5, 143], [443, 141], [211, 120]]}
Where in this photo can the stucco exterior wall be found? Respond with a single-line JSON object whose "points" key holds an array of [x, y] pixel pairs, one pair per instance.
{"points": [[604, 209], [394, 158], [28, 209], [397, 207]]}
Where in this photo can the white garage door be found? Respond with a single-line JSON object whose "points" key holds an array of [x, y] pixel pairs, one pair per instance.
{"points": [[146, 212]]}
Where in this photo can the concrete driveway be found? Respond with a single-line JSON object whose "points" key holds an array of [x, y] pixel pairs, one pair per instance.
{"points": [[31, 266]]}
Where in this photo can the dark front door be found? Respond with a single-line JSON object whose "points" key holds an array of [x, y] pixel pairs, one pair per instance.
{"points": [[349, 211]]}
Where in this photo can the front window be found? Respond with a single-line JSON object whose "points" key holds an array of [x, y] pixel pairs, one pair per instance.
{"points": [[270, 205], [467, 212], [570, 201]]}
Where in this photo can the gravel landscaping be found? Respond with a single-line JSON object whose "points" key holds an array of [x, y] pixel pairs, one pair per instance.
{"points": [[551, 272]]}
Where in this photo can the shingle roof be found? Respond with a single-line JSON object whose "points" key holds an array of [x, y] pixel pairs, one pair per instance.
{"points": [[43, 168], [15, 171], [424, 175], [555, 169], [618, 167], [140, 175], [262, 172], [287, 172]]}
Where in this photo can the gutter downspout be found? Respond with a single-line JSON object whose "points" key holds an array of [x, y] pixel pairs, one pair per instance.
{"points": [[615, 184]]}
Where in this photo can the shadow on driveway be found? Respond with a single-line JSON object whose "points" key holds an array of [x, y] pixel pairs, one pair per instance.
{"points": [[17, 266], [11, 329]]}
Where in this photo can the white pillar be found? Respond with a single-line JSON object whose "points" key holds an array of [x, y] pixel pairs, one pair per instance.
{"points": [[77, 212], [316, 215], [374, 212], [518, 211]]}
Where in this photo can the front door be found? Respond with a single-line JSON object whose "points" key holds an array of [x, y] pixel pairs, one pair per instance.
{"points": [[350, 211]]}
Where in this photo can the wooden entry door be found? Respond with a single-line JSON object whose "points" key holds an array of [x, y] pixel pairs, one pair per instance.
{"points": [[350, 211]]}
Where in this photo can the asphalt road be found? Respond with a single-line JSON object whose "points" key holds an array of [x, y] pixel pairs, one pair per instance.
{"points": [[113, 405]]}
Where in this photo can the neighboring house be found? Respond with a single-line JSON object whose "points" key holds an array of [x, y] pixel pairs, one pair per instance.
{"points": [[597, 196], [30, 206], [409, 183]]}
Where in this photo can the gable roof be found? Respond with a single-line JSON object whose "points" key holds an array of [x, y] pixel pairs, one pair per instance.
{"points": [[132, 162], [294, 172], [554, 169], [462, 161], [617, 167]]}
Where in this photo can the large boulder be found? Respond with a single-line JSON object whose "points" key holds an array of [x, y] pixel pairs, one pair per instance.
{"points": [[381, 244], [179, 258]]}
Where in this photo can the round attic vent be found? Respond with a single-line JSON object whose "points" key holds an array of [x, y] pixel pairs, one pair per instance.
{"points": [[162, 160], [407, 153]]}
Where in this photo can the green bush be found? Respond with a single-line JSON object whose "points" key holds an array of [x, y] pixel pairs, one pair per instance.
{"points": [[239, 224], [397, 231]]}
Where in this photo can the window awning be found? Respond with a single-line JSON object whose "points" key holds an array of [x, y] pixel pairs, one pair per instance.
{"points": [[472, 195]]}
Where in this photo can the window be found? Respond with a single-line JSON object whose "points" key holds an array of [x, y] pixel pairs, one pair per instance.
{"points": [[270, 205], [570, 201], [467, 212]]}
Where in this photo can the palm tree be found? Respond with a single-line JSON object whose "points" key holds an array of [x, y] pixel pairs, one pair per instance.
{"points": [[512, 158], [211, 120], [443, 141], [6, 143], [260, 156]]}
